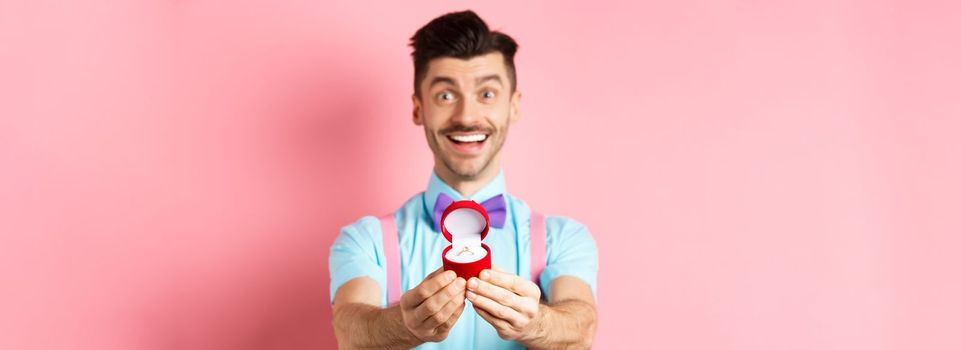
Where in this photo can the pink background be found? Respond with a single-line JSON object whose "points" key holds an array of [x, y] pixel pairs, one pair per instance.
{"points": [[758, 175]]}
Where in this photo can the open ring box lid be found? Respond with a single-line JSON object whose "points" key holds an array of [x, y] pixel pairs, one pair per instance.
{"points": [[465, 224]]}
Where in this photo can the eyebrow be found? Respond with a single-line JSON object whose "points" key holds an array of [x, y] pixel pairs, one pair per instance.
{"points": [[441, 79], [478, 81], [492, 77]]}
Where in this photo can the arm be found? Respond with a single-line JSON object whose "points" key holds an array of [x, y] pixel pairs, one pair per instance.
{"points": [[425, 313], [512, 305], [360, 323], [569, 320]]}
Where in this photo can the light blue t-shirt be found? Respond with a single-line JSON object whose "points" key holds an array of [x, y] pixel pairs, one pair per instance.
{"points": [[359, 251]]}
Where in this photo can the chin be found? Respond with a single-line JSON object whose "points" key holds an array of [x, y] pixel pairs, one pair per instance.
{"points": [[467, 171], [467, 174]]}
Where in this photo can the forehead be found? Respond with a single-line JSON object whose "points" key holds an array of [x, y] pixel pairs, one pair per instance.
{"points": [[466, 70]]}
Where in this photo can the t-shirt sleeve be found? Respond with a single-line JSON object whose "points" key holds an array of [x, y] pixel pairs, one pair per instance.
{"points": [[571, 251], [358, 251]]}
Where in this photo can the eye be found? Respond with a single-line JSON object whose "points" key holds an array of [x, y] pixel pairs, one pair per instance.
{"points": [[445, 96], [488, 94]]}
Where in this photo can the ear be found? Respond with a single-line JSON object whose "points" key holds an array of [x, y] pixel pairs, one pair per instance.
{"points": [[515, 106], [418, 112]]}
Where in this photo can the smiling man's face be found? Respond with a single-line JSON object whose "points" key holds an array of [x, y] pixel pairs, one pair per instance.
{"points": [[466, 107]]}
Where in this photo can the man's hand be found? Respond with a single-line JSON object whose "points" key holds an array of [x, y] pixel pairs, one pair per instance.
{"points": [[430, 310], [509, 303]]}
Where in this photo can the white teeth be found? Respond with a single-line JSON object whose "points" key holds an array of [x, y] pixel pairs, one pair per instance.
{"points": [[469, 138]]}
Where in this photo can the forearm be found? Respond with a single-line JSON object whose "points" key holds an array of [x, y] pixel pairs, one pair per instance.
{"points": [[363, 326], [568, 324]]}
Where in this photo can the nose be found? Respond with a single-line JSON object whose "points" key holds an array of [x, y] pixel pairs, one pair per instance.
{"points": [[466, 113]]}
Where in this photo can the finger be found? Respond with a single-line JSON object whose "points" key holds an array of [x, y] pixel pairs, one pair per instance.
{"points": [[434, 273], [427, 288], [511, 282], [494, 321], [446, 326], [494, 308], [460, 311], [436, 302], [500, 295], [443, 316]]}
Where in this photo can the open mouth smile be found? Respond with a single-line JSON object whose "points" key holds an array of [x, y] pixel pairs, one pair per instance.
{"points": [[468, 143]]}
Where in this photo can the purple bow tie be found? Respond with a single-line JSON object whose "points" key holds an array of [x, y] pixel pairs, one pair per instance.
{"points": [[496, 209]]}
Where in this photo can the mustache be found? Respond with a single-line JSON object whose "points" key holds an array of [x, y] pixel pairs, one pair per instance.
{"points": [[467, 128]]}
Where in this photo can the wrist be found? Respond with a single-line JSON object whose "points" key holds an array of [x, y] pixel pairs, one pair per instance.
{"points": [[404, 335], [538, 327]]}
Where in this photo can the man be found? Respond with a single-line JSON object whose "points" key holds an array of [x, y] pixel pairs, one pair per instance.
{"points": [[465, 97]]}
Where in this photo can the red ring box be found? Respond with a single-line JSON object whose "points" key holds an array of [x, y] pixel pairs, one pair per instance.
{"points": [[466, 224]]}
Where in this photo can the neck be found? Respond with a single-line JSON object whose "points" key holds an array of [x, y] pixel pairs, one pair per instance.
{"points": [[467, 186]]}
